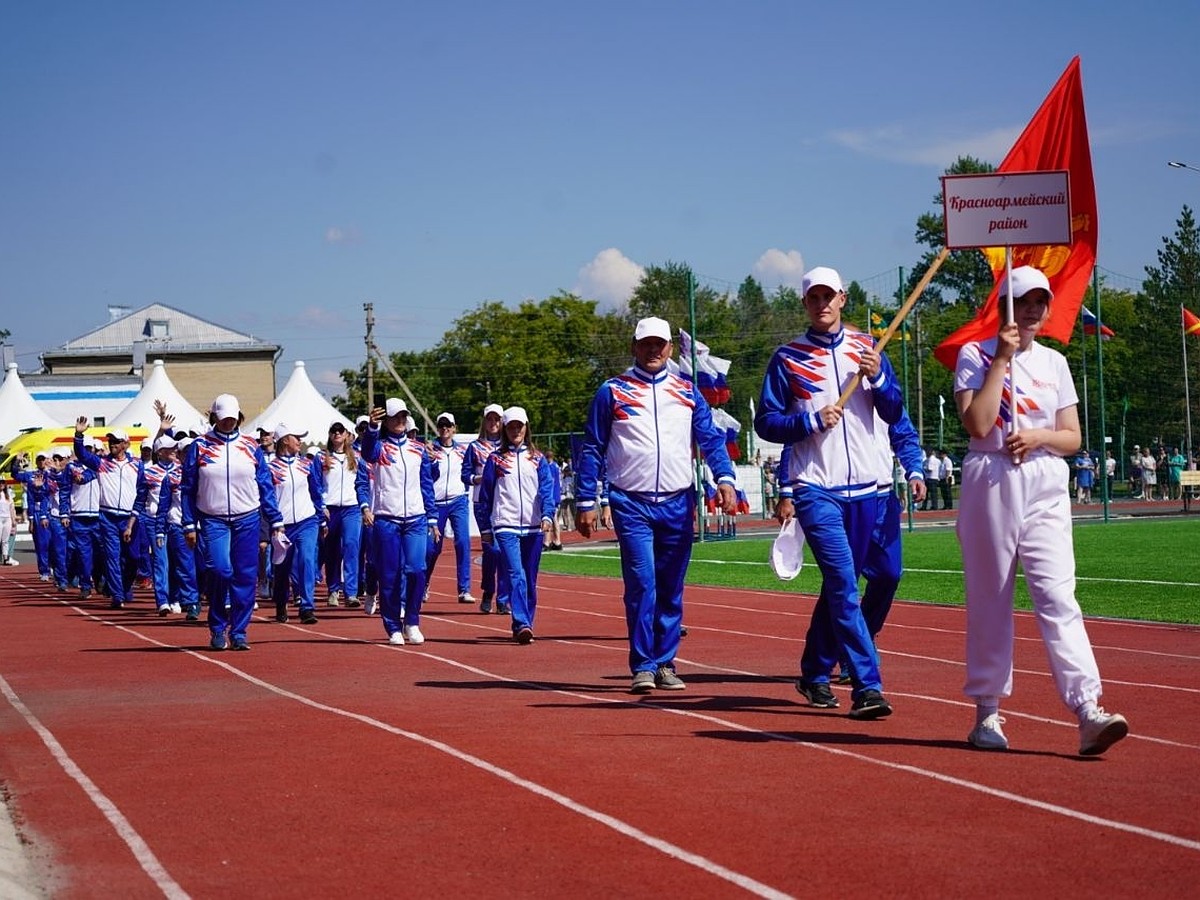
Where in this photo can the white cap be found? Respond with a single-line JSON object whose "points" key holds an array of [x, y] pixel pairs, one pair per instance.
{"points": [[1024, 280], [449, 417], [59, 451], [283, 429], [787, 553], [516, 414], [165, 442], [118, 433], [652, 326], [395, 406], [226, 406], [184, 442], [821, 275], [312, 450], [493, 408], [362, 420]]}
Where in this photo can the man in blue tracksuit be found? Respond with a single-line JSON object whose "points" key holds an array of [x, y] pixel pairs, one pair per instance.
{"points": [[37, 487], [640, 431], [834, 462], [397, 502], [80, 502], [450, 494], [119, 475], [224, 485]]}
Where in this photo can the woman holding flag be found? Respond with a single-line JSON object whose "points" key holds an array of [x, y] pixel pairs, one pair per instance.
{"points": [[1016, 506]]}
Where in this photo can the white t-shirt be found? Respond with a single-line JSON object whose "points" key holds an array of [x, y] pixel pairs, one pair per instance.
{"points": [[1044, 386]]}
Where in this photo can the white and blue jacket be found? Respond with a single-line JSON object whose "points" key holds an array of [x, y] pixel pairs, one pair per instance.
{"points": [[805, 376], [400, 485], [640, 431], [449, 462], [119, 478], [299, 492], [515, 493], [225, 476], [341, 485]]}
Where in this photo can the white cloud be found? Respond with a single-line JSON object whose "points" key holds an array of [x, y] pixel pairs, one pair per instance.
{"points": [[897, 144], [611, 277], [336, 235], [778, 267]]}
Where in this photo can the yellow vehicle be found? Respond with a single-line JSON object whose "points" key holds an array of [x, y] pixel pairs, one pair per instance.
{"points": [[43, 439]]}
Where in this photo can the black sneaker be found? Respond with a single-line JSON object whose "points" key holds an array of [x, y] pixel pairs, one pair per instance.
{"points": [[308, 616], [485, 605], [501, 608], [239, 643], [217, 642], [870, 705], [192, 613], [817, 693], [524, 636]]}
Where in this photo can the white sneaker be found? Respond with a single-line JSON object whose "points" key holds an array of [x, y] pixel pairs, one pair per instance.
{"points": [[413, 635], [176, 608], [1100, 730], [12, 561], [396, 639], [372, 605], [465, 597], [987, 735]]}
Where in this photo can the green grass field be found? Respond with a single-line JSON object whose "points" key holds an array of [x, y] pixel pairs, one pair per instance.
{"points": [[1129, 568]]}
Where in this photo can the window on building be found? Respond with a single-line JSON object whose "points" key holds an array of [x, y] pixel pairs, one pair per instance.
{"points": [[157, 328]]}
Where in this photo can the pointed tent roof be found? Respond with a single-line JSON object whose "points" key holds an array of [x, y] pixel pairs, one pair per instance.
{"points": [[158, 386], [18, 409], [301, 406]]}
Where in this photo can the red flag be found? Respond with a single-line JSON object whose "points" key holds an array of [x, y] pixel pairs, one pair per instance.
{"points": [[1056, 138], [1191, 325]]}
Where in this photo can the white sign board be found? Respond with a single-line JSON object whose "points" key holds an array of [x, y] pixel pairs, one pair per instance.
{"points": [[1011, 209]]}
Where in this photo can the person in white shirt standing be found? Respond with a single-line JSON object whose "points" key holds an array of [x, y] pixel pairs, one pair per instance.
{"points": [[450, 495], [340, 465], [1016, 507]]}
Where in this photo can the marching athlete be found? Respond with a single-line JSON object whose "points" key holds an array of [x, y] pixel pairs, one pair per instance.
{"points": [[449, 456], [478, 452], [1017, 507]]}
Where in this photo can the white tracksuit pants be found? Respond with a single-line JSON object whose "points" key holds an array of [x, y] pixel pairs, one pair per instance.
{"points": [[1010, 513]]}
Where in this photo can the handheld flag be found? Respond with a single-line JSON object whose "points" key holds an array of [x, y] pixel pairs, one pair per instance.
{"points": [[711, 370], [1091, 324], [1056, 138]]}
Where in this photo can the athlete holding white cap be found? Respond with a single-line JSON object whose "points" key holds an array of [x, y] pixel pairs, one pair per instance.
{"points": [[1016, 506]]}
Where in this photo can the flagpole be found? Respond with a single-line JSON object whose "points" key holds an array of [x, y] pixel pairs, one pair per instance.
{"points": [[1104, 494], [1087, 427], [1011, 317], [1187, 402]]}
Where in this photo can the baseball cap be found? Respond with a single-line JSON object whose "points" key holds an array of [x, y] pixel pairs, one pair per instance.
{"points": [[652, 326], [117, 434], [395, 406], [361, 421], [165, 442], [336, 428], [516, 414], [787, 553], [493, 408], [283, 429], [226, 406], [821, 275], [59, 452], [446, 417], [1024, 280]]}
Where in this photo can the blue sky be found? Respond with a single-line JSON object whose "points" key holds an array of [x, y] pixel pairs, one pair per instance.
{"points": [[271, 166]]}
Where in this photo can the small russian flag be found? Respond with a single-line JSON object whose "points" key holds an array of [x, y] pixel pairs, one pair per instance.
{"points": [[1090, 323]]}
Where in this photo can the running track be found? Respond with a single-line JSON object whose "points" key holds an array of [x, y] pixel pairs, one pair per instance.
{"points": [[325, 763]]}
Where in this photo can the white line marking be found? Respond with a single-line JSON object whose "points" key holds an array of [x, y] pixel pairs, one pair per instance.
{"points": [[141, 851]]}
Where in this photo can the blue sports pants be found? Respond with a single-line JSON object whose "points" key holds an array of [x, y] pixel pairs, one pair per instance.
{"points": [[299, 568], [119, 565], [520, 556], [458, 514], [342, 549], [231, 562], [400, 549], [656, 546]]}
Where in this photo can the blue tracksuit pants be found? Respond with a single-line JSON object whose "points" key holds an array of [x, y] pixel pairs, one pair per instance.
{"points": [[656, 545], [299, 568], [520, 556], [838, 532], [181, 565], [231, 561], [119, 563], [455, 512], [342, 549], [58, 552], [400, 549], [86, 549]]}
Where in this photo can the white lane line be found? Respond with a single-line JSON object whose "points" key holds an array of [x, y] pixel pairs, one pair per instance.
{"points": [[624, 828], [140, 849]]}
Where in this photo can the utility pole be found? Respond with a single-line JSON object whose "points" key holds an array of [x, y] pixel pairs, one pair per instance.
{"points": [[920, 382], [370, 340]]}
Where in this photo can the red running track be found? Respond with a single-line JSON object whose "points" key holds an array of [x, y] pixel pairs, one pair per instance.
{"points": [[325, 763]]}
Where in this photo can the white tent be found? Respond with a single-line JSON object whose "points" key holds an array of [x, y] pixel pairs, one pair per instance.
{"points": [[301, 406], [158, 386], [18, 410]]}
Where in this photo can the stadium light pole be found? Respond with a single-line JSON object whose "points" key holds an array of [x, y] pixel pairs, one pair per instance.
{"points": [[1183, 165]]}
